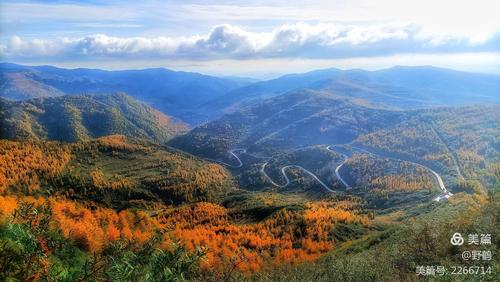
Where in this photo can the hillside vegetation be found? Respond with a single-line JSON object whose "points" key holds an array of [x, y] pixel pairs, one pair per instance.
{"points": [[114, 171], [113, 196], [459, 143], [291, 120], [328, 175], [75, 118]]}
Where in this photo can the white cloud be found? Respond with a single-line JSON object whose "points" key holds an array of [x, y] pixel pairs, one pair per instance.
{"points": [[35, 47], [299, 40]]}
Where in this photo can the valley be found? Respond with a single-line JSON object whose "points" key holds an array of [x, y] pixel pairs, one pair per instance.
{"points": [[303, 177], [445, 194]]}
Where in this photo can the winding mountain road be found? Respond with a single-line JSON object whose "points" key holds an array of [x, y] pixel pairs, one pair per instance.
{"points": [[263, 171], [337, 169], [287, 180], [283, 169], [232, 152], [445, 194]]}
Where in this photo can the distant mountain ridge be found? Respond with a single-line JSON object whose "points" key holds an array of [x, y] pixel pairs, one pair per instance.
{"points": [[197, 98], [394, 88], [173, 92], [83, 117]]}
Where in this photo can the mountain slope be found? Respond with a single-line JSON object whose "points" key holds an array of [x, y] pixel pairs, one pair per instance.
{"points": [[394, 88], [461, 142], [295, 119], [114, 171], [458, 142], [21, 86], [74, 118], [173, 92]]}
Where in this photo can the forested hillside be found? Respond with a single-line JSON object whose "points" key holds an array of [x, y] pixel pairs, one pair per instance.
{"points": [[310, 177], [459, 148], [110, 196], [74, 118], [295, 119], [460, 142], [114, 170]]}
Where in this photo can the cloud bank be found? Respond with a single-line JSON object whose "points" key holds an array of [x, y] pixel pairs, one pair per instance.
{"points": [[301, 40]]}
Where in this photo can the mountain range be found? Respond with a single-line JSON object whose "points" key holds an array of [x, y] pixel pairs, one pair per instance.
{"points": [[229, 179], [196, 98], [173, 92], [395, 88]]}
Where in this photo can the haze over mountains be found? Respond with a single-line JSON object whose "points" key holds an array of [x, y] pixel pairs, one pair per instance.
{"points": [[195, 98], [176, 93], [397, 87]]}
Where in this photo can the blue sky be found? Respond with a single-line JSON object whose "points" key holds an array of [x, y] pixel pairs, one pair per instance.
{"points": [[255, 38]]}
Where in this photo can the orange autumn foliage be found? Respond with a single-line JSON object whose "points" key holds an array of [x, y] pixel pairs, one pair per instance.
{"points": [[285, 237], [117, 142], [7, 206], [93, 229], [24, 165], [401, 183]]}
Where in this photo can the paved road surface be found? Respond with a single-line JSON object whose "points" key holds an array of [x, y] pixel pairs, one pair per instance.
{"points": [[232, 153], [445, 194], [337, 169], [287, 180]]}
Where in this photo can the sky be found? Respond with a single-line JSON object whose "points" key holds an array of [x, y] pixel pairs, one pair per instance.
{"points": [[252, 38]]}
